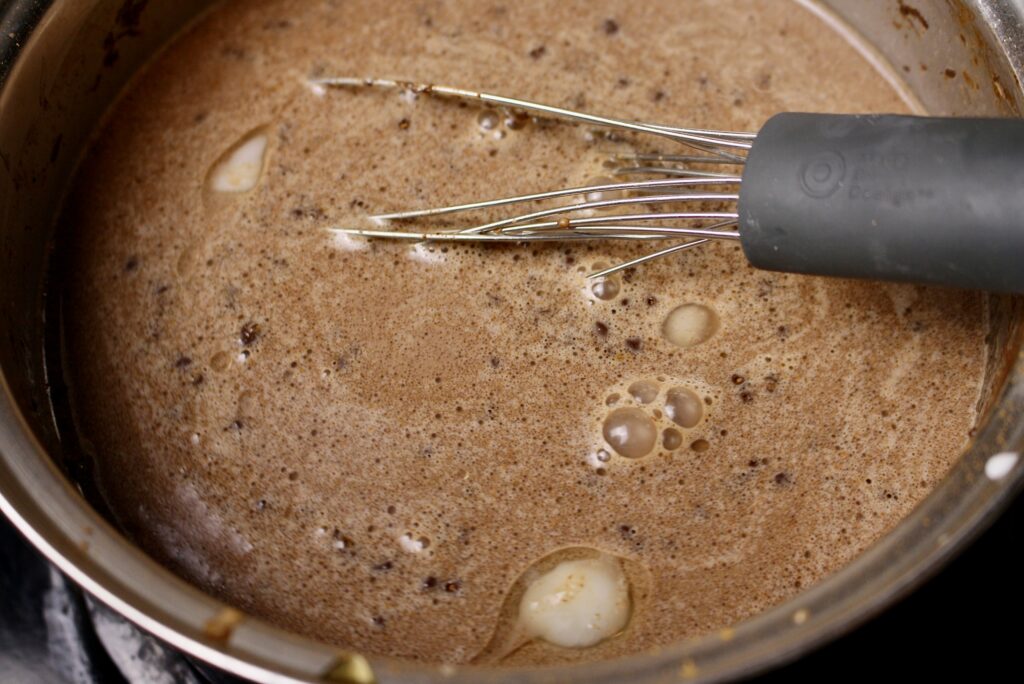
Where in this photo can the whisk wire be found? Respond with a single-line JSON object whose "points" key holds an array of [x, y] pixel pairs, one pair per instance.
{"points": [[699, 136], [712, 147], [614, 203], [568, 192]]}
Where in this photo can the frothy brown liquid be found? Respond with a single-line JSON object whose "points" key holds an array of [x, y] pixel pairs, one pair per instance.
{"points": [[370, 443]]}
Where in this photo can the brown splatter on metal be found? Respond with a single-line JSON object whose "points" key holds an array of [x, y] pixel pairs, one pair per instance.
{"points": [[1001, 92], [350, 668], [128, 18], [977, 43], [912, 14], [223, 624]]}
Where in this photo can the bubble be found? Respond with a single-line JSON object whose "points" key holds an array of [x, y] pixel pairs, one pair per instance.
{"points": [[612, 399], [671, 439], [516, 120], [630, 432], [605, 288], [700, 446], [220, 361], [689, 325], [644, 391], [683, 407], [577, 604], [488, 120], [239, 169], [597, 460]]}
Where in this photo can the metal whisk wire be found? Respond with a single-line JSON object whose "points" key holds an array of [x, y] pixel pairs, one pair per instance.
{"points": [[680, 184]]}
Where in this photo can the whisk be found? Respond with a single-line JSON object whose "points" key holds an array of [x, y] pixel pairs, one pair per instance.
{"points": [[884, 197]]}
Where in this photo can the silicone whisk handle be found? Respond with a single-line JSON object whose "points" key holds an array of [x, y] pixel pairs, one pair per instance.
{"points": [[921, 199]]}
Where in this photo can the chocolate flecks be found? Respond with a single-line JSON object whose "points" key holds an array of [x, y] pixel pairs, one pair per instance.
{"points": [[55, 150], [342, 542], [128, 18], [610, 27], [249, 334], [538, 52], [308, 212]]}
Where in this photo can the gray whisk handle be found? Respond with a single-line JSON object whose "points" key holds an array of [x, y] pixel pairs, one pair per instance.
{"points": [[929, 200]]}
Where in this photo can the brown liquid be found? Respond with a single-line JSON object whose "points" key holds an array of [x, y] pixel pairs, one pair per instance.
{"points": [[371, 445]]}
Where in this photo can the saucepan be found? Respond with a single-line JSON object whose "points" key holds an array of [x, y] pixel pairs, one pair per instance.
{"points": [[62, 62]]}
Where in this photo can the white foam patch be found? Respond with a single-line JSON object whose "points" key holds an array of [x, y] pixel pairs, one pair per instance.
{"points": [[426, 254], [240, 171], [577, 604], [349, 243], [999, 466], [197, 521], [409, 544]]}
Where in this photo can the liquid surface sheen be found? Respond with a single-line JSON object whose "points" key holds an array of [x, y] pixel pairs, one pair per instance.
{"points": [[397, 447]]}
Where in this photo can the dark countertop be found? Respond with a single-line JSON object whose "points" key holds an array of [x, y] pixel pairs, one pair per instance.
{"points": [[959, 625]]}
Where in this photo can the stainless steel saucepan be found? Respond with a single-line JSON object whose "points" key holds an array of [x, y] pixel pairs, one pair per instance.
{"points": [[62, 62]]}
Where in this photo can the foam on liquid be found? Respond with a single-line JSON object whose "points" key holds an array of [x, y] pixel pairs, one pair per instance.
{"points": [[411, 450]]}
